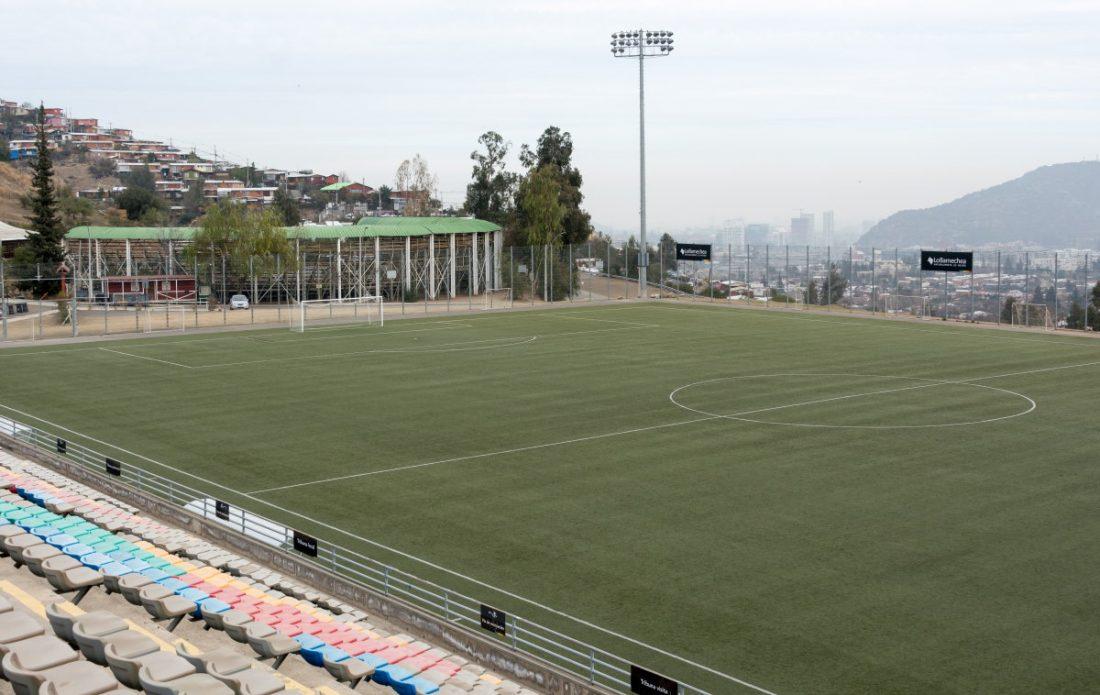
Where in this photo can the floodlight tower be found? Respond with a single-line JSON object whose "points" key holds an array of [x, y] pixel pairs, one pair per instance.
{"points": [[641, 44]]}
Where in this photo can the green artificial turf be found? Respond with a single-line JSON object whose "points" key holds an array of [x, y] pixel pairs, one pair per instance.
{"points": [[856, 526]]}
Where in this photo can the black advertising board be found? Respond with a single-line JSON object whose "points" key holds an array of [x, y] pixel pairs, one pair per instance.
{"points": [[693, 252], [307, 545], [62, 445], [494, 620], [648, 683], [221, 510], [113, 467], [947, 261]]}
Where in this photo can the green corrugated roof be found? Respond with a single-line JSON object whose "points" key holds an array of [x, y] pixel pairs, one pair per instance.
{"points": [[338, 186], [368, 227]]}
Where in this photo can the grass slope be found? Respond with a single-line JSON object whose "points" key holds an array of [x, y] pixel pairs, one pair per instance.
{"points": [[835, 543]]}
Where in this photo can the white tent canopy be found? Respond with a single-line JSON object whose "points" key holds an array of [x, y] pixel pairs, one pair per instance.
{"points": [[10, 233]]}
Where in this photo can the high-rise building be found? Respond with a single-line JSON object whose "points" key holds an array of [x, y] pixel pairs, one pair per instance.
{"points": [[828, 225], [802, 229], [757, 233]]}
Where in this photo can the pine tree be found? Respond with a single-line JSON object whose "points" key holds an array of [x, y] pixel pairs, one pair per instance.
{"points": [[43, 248]]}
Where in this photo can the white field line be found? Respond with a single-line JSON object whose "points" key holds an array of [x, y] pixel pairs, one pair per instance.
{"points": [[143, 357], [414, 558], [706, 418], [590, 318], [443, 347]]}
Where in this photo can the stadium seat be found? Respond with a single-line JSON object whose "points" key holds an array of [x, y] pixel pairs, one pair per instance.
{"points": [[27, 661]]}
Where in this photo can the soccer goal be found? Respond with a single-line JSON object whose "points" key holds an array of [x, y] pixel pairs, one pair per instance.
{"points": [[1034, 315], [368, 310], [497, 299], [904, 304]]}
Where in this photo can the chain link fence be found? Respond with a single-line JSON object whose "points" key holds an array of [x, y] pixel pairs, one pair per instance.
{"points": [[1047, 289]]}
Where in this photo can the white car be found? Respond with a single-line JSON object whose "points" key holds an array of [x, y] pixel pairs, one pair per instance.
{"points": [[238, 301]]}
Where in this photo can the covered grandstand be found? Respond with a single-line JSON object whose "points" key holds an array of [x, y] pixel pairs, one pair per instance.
{"points": [[395, 257]]}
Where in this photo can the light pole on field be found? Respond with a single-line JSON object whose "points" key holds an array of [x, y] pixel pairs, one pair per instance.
{"points": [[641, 44]]}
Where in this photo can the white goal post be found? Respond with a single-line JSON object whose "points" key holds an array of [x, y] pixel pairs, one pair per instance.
{"points": [[500, 298], [911, 304], [368, 309], [1034, 315]]}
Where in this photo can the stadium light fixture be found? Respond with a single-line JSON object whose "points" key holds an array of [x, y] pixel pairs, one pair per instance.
{"points": [[641, 44]]}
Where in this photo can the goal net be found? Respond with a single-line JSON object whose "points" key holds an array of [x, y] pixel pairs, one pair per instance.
{"points": [[311, 313], [1034, 315], [904, 304], [497, 299]]}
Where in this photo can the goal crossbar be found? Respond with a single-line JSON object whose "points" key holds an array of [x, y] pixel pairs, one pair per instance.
{"points": [[369, 309]]}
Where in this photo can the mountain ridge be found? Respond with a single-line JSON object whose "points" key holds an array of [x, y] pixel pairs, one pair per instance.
{"points": [[1054, 206]]}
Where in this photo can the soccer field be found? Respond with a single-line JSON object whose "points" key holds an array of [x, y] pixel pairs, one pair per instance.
{"points": [[808, 503]]}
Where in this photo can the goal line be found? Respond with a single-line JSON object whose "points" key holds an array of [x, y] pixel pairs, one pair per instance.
{"points": [[366, 309]]}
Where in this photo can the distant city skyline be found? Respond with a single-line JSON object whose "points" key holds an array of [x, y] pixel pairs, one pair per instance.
{"points": [[764, 110]]}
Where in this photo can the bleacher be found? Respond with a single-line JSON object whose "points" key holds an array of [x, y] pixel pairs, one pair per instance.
{"points": [[176, 614]]}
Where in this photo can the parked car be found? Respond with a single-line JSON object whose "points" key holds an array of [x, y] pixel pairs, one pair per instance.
{"points": [[238, 301]]}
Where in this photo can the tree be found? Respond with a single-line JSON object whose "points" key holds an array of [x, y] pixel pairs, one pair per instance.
{"points": [[101, 167], [836, 286], [249, 240], [74, 211], [140, 178], [5, 152], [1006, 310], [384, 200], [540, 196], [491, 193], [287, 209], [417, 182], [139, 203], [193, 201], [555, 149], [43, 247]]}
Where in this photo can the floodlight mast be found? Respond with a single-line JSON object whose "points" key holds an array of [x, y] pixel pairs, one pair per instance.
{"points": [[641, 44]]}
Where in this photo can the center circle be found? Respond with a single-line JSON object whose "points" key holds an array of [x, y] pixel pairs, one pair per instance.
{"points": [[912, 402]]}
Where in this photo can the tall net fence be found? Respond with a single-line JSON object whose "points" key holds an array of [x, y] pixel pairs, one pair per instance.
{"points": [[165, 289]]}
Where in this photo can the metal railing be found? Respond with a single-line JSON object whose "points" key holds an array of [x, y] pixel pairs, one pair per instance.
{"points": [[589, 662]]}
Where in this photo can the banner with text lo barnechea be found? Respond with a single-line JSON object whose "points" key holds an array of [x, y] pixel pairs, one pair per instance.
{"points": [[693, 252], [947, 261]]}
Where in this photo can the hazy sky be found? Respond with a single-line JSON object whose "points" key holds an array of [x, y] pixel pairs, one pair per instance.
{"points": [[765, 108]]}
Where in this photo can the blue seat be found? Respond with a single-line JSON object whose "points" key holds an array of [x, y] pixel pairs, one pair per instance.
{"points": [[309, 641], [154, 574], [372, 660], [137, 565], [60, 540], [44, 531], [313, 654], [188, 593], [121, 556], [334, 654], [213, 605], [390, 674], [414, 685], [95, 560], [115, 569], [77, 550]]}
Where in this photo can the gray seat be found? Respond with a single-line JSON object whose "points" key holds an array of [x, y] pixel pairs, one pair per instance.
{"points": [[15, 545], [91, 630], [16, 626], [124, 653], [198, 684], [218, 620], [237, 628], [25, 663], [77, 678], [254, 681], [223, 661], [159, 670], [350, 671], [65, 578], [165, 606], [269, 643], [34, 556], [130, 587]]}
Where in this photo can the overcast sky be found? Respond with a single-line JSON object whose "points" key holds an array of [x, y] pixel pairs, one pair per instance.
{"points": [[766, 107]]}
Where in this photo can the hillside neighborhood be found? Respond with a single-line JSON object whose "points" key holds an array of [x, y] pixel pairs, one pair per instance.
{"points": [[99, 162]]}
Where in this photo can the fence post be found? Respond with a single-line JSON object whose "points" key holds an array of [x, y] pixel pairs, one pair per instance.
{"points": [[386, 580], [1055, 290], [1087, 298], [4, 301], [1000, 299], [591, 665]]}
